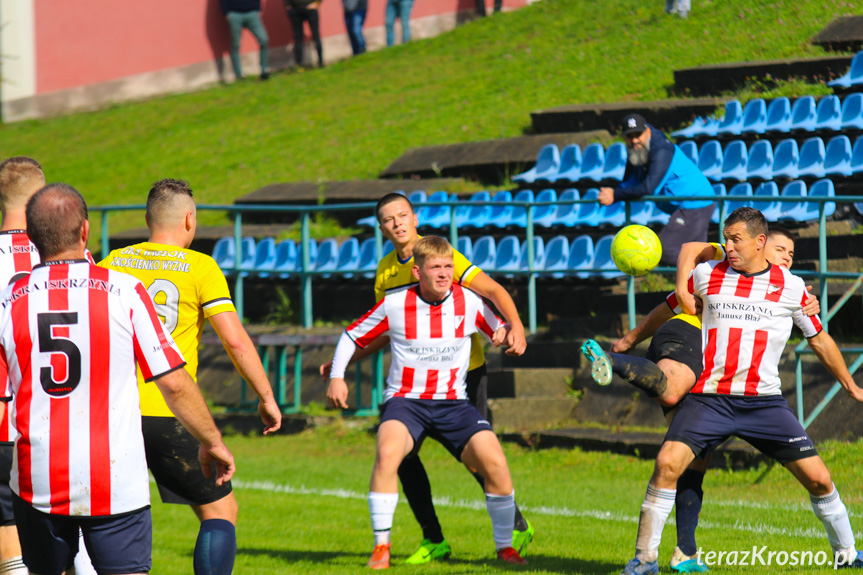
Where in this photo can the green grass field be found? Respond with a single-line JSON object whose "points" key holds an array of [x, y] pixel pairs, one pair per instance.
{"points": [[303, 509], [352, 119]]}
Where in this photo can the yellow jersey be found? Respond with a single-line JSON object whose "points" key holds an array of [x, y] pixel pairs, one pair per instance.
{"points": [[187, 287], [696, 319], [394, 274]]}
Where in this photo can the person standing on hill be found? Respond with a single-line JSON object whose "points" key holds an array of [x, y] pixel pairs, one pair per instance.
{"points": [[400, 9], [246, 14], [300, 11], [355, 17]]}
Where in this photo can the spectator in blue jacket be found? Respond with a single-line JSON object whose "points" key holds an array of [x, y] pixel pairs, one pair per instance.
{"points": [[246, 14], [657, 167]]}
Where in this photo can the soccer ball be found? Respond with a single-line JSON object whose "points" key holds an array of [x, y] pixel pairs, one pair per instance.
{"points": [[636, 250]]}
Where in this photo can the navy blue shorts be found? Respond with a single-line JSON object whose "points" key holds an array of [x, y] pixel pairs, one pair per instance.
{"points": [[7, 515], [767, 423], [451, 422], [116, 544]]}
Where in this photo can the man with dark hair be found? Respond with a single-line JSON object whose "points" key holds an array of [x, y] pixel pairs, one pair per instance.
{"points": [[79, 449], [656, 167], [246, 14], [749, 306], [187, 287]]}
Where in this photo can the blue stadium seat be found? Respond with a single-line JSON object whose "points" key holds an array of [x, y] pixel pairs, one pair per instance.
{"points": [[837, 157], [641, 212], [247, 255], [803, 114], [508, 254], [822, 188], [778, 115], [734, 160], [435, 216], [224, 253], [367, 262], [538, 254], [767, 206], [544, 215], [349, 257], [313, 255], [484, 253], [473, 216], [518, 214], [328, 256], [689, 148], [556, 256], [465, 247], [760, 165], [744, 190], [857, 156], [287, 257], [793, 211], [710, 158], [566, 215], [602, 259], [570, 163], [786, 158], [387, 247], [581, 256], [416, 197], [828, 115], [733, 120], [615, 162], [589, 214], [547, 165], [265, 257], [754, 117], [852, 112], [854, 75], [719, 190], [811, 162], [499, 214], [613, 215], [592, 162], [699, 127]]}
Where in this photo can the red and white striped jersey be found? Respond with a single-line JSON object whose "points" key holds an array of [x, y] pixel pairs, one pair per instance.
{"points": [[71, 335], [430, 343], [746, 321], [18, 255]]}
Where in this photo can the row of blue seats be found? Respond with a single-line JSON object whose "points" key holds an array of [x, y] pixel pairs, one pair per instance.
{"points": [[570, 165], [774, 211], [781, 116], [503, 215], [854, 75], [761, 161]]}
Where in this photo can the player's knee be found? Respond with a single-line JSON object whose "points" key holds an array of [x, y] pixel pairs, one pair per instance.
{"points": [[667, 469], [820, 484]]}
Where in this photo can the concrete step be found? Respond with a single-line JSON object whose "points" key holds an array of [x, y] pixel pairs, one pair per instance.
{"points": [[529, 382], [542, 354], [529, 413]]}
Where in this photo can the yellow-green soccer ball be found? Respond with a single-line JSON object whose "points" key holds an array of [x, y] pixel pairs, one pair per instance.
{"points": [[636, 250]]}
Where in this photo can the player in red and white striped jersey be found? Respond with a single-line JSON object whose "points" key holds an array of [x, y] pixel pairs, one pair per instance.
{"points": [[70, 336], [749, 306], [429, 327]]}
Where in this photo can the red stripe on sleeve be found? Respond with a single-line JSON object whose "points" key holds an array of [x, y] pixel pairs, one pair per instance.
{"points": [[458, 307], [753, 377], [58, 300], [407, 382], [744, 286], [816, 321], [431, 384], [411, 314], [100, 373], [450, 386], [777, 284], [709, 358], [482, 325], [365, 315], [7, 392], [716, 277], [732, 357], [374, 333], [23, 349], [171, 354]]}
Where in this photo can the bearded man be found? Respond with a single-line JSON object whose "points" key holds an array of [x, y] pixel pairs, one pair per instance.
{"points": [[657, 167]]}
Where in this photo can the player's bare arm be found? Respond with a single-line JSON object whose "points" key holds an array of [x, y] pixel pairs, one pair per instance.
{"points": [[186, 402], [245, 357], [691, 254], [831, 357], [648, 326], [500, 335], [493, 291]]}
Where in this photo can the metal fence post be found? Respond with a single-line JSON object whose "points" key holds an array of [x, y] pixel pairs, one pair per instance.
{"points": [[531, 278], [239, 296], [105, 246], [305, 277]]}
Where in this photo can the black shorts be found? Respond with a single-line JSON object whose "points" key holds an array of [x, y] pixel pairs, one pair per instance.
{"points": [[7, 515], [767, 423], [451, 422], [116, 543], [680, 341], [476, 383], [172, 456]]}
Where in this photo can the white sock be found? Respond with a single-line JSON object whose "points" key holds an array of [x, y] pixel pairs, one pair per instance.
{"points": [[501, 509], [83, 565], [654, 512], [13, 566], [832, 513], [382, 507]]}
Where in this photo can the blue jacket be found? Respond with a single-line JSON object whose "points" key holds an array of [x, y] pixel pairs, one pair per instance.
{"points": [[668, 172]]}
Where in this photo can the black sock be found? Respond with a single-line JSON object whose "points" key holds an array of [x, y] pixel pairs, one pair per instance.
{"points": [[415, 483], [640, 372], [687, 507], [520, 521]]}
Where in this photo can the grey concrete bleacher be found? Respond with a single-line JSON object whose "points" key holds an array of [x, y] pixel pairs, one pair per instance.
{"points": [[843, 34]]}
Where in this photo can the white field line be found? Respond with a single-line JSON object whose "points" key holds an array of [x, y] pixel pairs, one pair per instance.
{"points": [[600, 515]]}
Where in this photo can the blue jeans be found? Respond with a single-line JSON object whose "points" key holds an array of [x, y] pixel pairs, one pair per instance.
{"points": [[354, 20], [251, 20], [400, 9]]}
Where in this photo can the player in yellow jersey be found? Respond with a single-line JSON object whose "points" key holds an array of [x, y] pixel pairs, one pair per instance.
{"points": [[188, 287], [398, 222]]}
